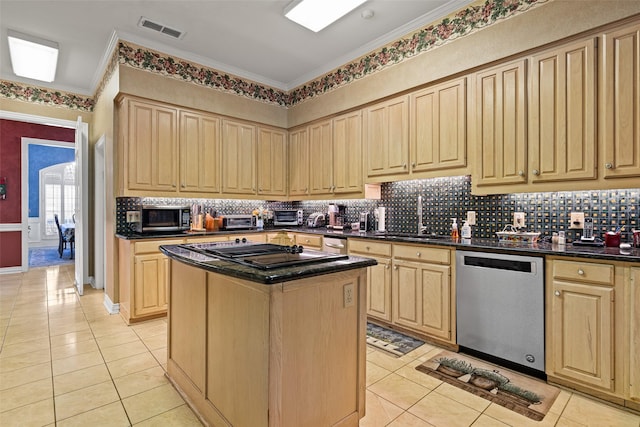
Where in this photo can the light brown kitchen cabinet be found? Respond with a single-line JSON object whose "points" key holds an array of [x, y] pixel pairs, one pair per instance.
{"points": [[562, 113], [438, 128], [281, 238], [143, 278], [500, 133], [632, 318], [620, 102], [580, 328], [321, 157], [299, 163], [311, 241], [199, 146], [386, 136], [422, 291], [348, 175], [378, 276], [150, 145], [272, 162], [238, 157]]}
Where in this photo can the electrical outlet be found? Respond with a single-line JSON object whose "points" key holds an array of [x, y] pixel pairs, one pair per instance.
{"points": [[471, 217], [577, 220], [133, 216], [518, 219], [348, 294]]}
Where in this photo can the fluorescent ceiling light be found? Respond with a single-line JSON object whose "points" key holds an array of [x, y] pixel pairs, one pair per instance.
{"points": [[317, 14], [33, 57]]}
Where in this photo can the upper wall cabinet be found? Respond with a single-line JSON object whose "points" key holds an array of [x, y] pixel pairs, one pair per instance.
{"points": [[272, 162], [299, 163], [149, 145], [438, 127], [562, 113], [321, 157], [500, 125], [238, 157], [386, 135], [199, 153], [348, 175], [620, 102]]}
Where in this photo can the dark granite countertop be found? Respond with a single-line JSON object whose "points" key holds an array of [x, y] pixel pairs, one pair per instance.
{"points": [[487, 245], [268, 277]]}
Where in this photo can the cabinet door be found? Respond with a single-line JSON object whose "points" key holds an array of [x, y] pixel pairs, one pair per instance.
{"points": [[150, 287], [238, 158], [379, 290], [152, 147], [421, 295], [386, 135], [299, 163], [620, 103], [582, 333], [199, 153], [272, 162], [321, 158], [347, 153], [562, 113], [634, 335], [501, 127], [438, 127]]}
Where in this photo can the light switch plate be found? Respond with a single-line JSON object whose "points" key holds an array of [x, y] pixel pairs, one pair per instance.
{"points": [[471, 217], [577, 220], [133, 216], [518, 219]]}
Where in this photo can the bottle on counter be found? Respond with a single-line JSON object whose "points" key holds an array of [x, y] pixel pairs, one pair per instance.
{"points": [[454, 229], [465, 232]]}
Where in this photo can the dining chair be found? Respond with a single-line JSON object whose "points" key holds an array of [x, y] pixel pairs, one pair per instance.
{"points": [[63, 239]]}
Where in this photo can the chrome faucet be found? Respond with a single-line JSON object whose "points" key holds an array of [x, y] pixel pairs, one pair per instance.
{"points": [[421, 228]]}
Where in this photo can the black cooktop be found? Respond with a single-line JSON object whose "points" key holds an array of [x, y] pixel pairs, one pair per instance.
{"points": [[264, 256]]}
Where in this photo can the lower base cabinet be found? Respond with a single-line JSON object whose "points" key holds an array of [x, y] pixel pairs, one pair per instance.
{"points": [[585, 326], [378, 276], [143, 277], [632, 318]]}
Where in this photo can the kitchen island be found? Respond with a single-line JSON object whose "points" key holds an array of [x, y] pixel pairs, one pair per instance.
{"points": [[278, 347]]}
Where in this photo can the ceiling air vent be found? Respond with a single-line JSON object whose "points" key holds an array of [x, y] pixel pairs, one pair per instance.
{"points": [[172, 32]]}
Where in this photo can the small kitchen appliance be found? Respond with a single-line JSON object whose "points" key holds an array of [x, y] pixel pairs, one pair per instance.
{"points": [[157, 219], [587, 232], [364, 222], [238, 222], [316, 220], [284, 217]]}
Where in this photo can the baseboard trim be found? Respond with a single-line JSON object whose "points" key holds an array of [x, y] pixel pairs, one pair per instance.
{"points": [[11, 270], [112, 308]]}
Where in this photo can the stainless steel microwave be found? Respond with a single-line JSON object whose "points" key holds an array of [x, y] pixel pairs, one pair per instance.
{"points": [[287, 217], [154, 219], [238, 222]]}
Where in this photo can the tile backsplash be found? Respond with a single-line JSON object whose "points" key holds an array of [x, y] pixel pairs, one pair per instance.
{"points": [[446, 198]]}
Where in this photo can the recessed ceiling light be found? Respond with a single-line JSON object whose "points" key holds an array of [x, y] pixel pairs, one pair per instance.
{"points": [[33, 57], [317, 14]]}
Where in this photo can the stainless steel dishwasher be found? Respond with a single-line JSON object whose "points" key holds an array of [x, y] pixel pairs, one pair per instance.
{"points": [[334, 245], [500, 307]]}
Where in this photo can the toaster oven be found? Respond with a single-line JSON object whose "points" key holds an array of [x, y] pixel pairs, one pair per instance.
{"points": [[238, 222], [287, 217]]}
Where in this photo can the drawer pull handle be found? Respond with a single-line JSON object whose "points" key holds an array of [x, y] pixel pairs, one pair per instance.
{"points": [[536, 172], [557, 293], [418, 254], [608, 165], [520, 173], [581, 272], [386, 266], [368, 248], [395, 267]]}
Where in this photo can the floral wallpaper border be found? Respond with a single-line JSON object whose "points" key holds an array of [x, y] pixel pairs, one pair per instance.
{"points": [[462, 23]]}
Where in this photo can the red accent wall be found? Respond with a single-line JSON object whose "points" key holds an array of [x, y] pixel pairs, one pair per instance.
{"points": [[11, 132]]}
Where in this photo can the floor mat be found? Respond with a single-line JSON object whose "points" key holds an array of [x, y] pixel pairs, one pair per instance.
{"points": [[525, 395], [391, 341], [42, 257]]}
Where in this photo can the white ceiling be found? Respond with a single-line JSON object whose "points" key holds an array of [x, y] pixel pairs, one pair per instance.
{"points": [[250, 39]]}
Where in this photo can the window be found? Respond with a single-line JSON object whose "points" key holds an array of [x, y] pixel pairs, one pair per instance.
{"points": [[57, 196]]}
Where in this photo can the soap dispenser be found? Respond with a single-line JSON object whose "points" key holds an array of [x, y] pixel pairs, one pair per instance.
{"points": [[454, 229], [466, 230]]}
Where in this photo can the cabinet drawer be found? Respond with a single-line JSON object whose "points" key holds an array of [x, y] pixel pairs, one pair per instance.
{"points": [[313, 241], [584, 272], [422, 253], [207, 239], [152, 246], [368, 247]]}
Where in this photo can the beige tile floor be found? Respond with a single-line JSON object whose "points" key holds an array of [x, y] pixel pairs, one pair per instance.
{"points": [[65, 362]]}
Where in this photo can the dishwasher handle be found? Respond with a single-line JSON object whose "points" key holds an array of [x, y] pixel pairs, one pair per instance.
{"points": [[499, 264]]}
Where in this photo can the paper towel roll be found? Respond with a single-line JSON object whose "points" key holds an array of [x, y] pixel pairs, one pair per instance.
{"points": [[381, 218]]}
